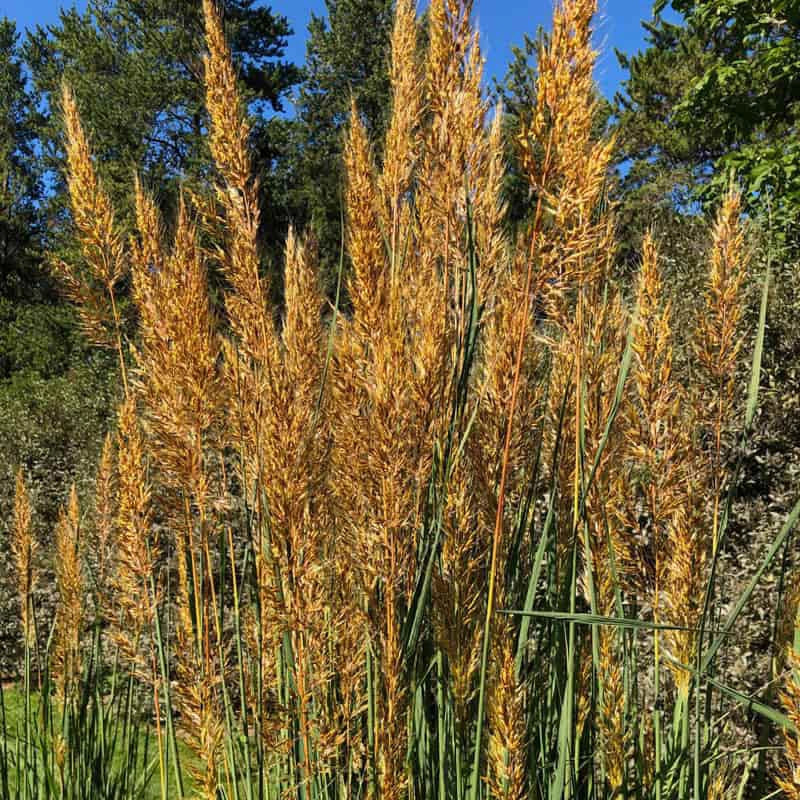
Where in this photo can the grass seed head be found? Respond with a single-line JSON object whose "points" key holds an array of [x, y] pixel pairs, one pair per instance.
{"points": [[93, 289], [69, 581], [105, 522], [136, 550], [367, 286], [23, 549]]}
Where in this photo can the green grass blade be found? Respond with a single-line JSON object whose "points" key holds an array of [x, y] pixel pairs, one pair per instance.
{"points": [[758, 352], [747, 701], [596, 619]]}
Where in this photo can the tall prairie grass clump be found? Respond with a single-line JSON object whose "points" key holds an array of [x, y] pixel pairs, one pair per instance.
{"points": [[460, 540]]}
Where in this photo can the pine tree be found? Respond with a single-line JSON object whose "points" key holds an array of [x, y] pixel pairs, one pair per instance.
{"points": [[20, 177], [136, 69], [715, 94], [346, 58], [660, 161]]}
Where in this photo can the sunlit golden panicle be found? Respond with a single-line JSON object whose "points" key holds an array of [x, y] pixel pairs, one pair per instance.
{"points": [[613, 728], [92, 211], [654, 443], [567, 166], [449, 32], [147, 252], [582, 315], [104, 539], [136, 549], [717, 344], [402, 139], [718, 336], [237, 193], [611, 547], [600, 351], [94, 291], [300, 506], [302, 327], [454, 166], [367, 285], [466, 550], [508, 312], [490, 209], [652, 334], [178, 364], [200, 720], [458, 592], [230, 129], [394, 379], [507, 752], [181, 390], [566, 96], [684, 580], [69, 581], [23, 549], [388, 363], [274, 377]]}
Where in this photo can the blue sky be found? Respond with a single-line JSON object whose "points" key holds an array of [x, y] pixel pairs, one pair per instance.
{"points": [[501, 22]]}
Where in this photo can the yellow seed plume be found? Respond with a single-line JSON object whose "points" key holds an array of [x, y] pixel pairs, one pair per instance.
{"points": [[302, 329], [507, 753], [135, 551], [367, 286], [23, 549], [566, 96], [718, 338], [279, 423], [490, 208], [200, 719], [652, 337], [181, 390], [94, 293], [567, 167], [91, 206], [402, 146], [105, 525], [718, 335], [684, 580], [456, 158], [230, 129], [654, 441], [69, 581], [613, 728], [237, 193], [178, 370], [147, 254]]}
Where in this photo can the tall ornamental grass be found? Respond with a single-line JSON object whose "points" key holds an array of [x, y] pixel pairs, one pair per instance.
{"points": [[457, 537]]}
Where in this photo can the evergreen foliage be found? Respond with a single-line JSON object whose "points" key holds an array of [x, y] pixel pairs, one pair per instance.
{"points": [[135, 68], [346, 59], [20, 172]]}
